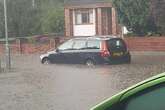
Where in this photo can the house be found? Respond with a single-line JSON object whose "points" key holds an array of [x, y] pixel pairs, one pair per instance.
{"points": [[90, 18]]}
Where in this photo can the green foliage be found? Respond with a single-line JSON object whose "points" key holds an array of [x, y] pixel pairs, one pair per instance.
{"points": [[158, 7], [26, 18], [1, 20], [52, 20], [21, 17], [135, 15]]}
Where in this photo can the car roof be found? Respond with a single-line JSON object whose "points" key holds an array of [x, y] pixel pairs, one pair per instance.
{"points": [[107, 37], [130, 91]]}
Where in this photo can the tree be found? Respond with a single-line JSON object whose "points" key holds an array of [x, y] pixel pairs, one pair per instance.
{"points": [[21, 17], [157, 10], [52, 17], [26, 19], [1, 20], [135, 15]]}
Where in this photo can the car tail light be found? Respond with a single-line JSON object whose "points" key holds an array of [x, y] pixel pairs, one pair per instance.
{"points": [[105, 53], [104, 50]]}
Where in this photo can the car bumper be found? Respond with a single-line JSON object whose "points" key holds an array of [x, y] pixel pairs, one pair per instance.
{"points": [[121, 59]]}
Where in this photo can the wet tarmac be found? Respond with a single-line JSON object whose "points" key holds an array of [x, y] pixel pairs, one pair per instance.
{"points": [[33, 86]]}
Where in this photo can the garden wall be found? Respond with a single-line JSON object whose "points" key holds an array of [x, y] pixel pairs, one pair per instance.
{"points": [[24, 46], [145, 43], [40, 46]]}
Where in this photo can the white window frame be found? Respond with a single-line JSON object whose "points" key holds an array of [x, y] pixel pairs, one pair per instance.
{"points": [[79, 16]]}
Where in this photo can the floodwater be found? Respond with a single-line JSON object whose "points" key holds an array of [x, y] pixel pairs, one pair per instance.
{"points": [[33, 86]]}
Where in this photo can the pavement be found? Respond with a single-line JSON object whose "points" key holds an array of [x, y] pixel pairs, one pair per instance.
{"points": [[33, 86]]}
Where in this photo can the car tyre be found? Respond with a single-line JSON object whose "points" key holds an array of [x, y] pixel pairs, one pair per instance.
{"points": [[90, 62], [128, 60], [46, 61]]}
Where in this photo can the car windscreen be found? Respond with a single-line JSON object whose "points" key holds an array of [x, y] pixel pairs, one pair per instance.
{"points": [[66, 46], [116, 45]]}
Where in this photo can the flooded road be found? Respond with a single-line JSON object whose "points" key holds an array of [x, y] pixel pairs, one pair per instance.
{"points": [[33, 86]]}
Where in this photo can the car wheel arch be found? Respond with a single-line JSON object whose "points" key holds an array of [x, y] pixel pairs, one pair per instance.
{"points": [[45, 58]]}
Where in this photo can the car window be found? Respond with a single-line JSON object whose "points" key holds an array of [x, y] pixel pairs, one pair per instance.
{"points": [[93, 44], [66, 46], [149, 99], [115, 44], [79, 44]]}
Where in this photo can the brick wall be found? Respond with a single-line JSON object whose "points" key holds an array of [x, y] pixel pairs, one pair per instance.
{"points": [[146, 43], [133, 43], [1, 48], [68, 22], [19, 47]]}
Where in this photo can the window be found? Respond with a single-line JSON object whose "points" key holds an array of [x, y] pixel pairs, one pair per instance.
{"points": [[79, 44], [66, 46], [84, 16], [149, 99], [152, 98], [93, 44], [116, 44]]}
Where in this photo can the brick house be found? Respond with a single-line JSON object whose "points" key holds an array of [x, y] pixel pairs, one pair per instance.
{"points": [[90, 18]]}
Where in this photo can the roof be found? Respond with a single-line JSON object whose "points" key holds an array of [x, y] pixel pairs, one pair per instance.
{"points": [[81, 1], [97, 37], [87, 4]]}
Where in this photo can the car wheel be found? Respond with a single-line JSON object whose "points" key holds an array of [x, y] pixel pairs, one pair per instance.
{"points": [[90, 62], [46, 61], [128, 60]]}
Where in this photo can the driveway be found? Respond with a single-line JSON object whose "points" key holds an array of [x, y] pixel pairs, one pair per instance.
{"points": [[33, 86]]}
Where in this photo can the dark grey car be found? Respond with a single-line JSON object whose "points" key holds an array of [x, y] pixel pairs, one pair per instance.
{"points": [[89, 51]]}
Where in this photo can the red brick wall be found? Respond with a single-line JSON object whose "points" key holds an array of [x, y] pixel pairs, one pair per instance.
{"points": [[146, 43], [32, 48], [68, 22], [19, 47], [114, 22], [133, 43], [1, 48], [26, 48]]}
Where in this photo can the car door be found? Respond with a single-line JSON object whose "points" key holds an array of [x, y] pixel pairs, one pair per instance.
{"points": [[152, 98], [78, 52], [61, 55], [147, 95], [93, 50]]}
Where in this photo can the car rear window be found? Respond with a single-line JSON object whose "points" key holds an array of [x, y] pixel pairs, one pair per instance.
{"points": [[93, 44], [115, 44]]}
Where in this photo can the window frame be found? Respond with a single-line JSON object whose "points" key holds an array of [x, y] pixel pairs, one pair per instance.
{"points": [[90, 20]]}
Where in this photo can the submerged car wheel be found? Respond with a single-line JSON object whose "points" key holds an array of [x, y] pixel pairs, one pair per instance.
{"points": [[90, 62], [46, 61], [128, 61]]}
